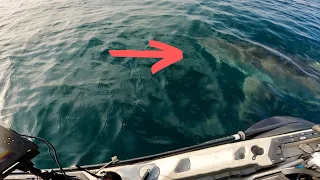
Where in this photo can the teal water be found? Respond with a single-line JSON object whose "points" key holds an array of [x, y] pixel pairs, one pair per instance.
{"points": [[243, 61]]}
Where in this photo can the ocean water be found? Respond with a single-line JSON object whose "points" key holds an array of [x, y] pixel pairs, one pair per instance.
{"points": [[243, 61]]}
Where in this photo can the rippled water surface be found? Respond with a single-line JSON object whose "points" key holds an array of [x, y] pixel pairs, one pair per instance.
{"points": [[243, 61]]}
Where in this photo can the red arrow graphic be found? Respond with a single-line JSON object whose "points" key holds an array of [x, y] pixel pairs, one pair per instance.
{"points": [[169, 54]]}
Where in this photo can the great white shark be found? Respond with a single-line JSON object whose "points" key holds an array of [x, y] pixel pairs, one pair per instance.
{"points": [[292, 75]]}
